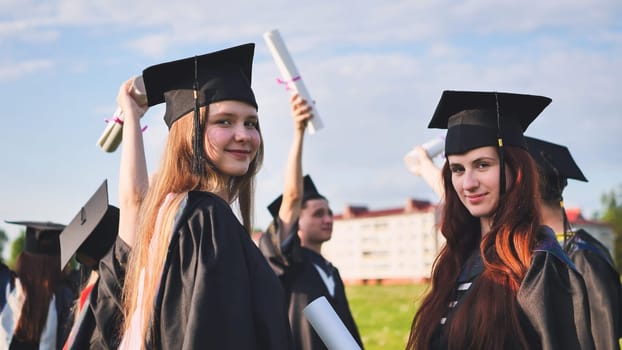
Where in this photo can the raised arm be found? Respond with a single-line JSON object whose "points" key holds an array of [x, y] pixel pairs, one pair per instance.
{"points": [[420, 164], [133, 178], [293, 186]]}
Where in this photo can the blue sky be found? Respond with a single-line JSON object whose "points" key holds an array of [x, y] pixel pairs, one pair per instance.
{"points": [[375, 68]]}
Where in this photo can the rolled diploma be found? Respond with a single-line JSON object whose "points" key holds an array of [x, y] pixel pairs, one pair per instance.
{"points": [[434, 147], [112, 135], [111, 138], [329, 326], [290, 74]]}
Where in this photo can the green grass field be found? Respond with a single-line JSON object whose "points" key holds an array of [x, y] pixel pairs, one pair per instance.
{"points": [[383, 314]]}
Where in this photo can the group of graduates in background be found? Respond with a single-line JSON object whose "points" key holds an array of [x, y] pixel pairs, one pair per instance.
{"points": [[41, 298], [173, 267]]}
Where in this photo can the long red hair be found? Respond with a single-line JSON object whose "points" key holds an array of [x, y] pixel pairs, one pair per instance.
{"points": [[506, 253]]}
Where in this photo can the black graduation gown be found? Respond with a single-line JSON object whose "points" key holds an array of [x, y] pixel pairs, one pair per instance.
{"points": [[552, 298], [596, 265], [303, 284], [217, 290], [6, 278], [99, 325]]}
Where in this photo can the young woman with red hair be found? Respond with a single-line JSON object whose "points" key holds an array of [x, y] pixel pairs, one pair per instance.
{"points": [[501, 281]]}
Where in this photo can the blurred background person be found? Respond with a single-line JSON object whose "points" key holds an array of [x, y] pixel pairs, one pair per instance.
{"points": [[37, 314], [91, 235], [591, 258]]}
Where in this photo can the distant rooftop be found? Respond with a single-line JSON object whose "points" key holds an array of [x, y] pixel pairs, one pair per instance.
{"points": [[362, 211], [576, 217]]}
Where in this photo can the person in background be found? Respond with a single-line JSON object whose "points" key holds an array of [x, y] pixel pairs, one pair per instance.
{"points": [[302, 222], [591, 258], [7, 277], [501, 281], [91, 235], [37, 314]]}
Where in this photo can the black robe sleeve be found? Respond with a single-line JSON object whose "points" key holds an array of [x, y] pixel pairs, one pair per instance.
{"points": [[595, 264], [217, 290], [553, 298], [282, 256], [106, 298]]}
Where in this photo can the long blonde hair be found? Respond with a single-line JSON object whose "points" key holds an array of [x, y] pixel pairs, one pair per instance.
{"points": [[175, 176]]}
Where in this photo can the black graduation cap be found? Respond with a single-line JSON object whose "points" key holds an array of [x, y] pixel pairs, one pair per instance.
{"points": [[309, 191], [92, 231], [41, 237], [221, 75], [193, 82], [476, 119], [554, 158], [557, 166]]}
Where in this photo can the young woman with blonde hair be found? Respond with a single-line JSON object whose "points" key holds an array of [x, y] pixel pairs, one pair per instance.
{"points": [[194, 278]]}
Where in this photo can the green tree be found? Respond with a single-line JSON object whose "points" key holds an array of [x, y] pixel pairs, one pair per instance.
{"points": [[3, 239], [16, 247], [612, 215]]}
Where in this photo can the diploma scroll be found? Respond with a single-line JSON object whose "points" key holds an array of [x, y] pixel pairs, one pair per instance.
{"points": [[329, 326], [112, 135], [290, 74], [433, 148]]}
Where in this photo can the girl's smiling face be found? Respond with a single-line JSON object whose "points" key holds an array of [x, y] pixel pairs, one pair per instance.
{"points": [[475, 178], [231, 136]]}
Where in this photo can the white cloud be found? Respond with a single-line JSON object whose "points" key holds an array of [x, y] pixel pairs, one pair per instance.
{"points": [[10, 71]]}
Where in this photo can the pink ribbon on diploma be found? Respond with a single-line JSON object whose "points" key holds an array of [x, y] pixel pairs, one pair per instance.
{"points": [[117, 120], [287, 82]]}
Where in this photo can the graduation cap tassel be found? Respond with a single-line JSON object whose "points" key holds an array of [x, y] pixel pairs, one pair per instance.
{"points": [[197, 161], [502, 163], [565, 219], [501, 149], [566, 224]]}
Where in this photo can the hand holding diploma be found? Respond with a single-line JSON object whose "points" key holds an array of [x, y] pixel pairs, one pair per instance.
{"points": [[419, 161], [112, 135], [290, 74], [329, 326]]}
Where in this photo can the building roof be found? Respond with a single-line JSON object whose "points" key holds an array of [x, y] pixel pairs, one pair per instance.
{"points": [[575, 217], [361, 211]]}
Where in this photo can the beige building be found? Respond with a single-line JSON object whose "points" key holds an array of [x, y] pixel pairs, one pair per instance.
{"points": [[396, 245], [399, 245]]}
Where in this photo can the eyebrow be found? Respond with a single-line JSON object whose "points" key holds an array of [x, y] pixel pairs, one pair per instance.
{"points": [[476, 160], [231, 114]]}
